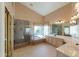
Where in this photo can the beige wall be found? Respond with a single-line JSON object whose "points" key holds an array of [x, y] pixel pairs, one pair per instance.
{"points": [[24, 13], [63, 13]]}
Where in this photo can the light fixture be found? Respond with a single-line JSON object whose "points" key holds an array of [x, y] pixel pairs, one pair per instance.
{"points": [[72, 21], [77, 7], [74, 17], [76, 13], [59, 22]]}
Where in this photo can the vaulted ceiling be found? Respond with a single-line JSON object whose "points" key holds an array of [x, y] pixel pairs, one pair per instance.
{"points": [[44, 8]]}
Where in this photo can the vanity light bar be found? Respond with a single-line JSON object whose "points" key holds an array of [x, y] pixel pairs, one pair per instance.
{"points": [[72, 21], [77, 7], [77, 11], [59, 22], [75, 17]]}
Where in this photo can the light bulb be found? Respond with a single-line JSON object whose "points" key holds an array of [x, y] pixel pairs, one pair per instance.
{"points": [[77, 6], [73, 21], [72, 17]]}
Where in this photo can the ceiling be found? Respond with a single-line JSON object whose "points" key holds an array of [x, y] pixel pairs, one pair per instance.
{"points": [[44, 8]]}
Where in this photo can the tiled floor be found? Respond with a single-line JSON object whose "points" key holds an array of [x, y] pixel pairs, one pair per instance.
{"points": [[39, 50]]}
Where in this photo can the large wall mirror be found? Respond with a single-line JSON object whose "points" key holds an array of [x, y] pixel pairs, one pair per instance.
{"points": [[67, 30], [56, 29], [72, 29]]}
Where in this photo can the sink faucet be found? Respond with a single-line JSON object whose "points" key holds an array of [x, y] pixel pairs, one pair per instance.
{"points": [[77, 43]]}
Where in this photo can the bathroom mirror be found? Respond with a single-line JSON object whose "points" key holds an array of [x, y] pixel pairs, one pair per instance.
{"points": [[74, 29], [57, 29], [67, 30]]}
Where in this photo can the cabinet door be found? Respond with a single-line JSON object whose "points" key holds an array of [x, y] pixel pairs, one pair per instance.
{"points": [[47, 39], [50, 40], [59, 54], [59, 42], [54, 42]]}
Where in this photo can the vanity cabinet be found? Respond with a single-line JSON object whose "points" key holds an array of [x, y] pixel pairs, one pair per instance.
{"points": [[56, 42]]}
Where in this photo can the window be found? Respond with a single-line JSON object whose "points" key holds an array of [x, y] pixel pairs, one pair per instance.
{"points": [[27, 30], [40, 31], [46, 30]]}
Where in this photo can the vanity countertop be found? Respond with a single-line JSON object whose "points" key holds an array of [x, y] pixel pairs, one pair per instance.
{"points": [[69, 50]]}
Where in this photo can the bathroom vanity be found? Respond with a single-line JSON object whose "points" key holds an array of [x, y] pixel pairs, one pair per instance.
{"points": [[65, 46], [56, 42]]}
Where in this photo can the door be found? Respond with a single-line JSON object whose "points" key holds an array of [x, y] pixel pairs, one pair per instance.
{"points": [[8, 34]]}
